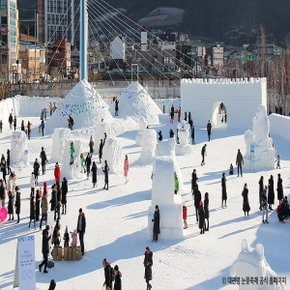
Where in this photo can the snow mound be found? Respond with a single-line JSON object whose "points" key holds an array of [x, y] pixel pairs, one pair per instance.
{"points": [[136, 103], [85, 106]]}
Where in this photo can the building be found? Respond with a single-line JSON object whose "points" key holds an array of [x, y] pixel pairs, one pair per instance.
{"points": [[9, 37], [57, 20]]}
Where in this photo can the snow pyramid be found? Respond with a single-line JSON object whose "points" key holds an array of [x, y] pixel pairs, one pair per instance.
{"points": [[252, 263], [85, 106], [135, 102]]}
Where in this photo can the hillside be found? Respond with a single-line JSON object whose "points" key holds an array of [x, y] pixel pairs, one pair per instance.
{"points": [[220, 20]]}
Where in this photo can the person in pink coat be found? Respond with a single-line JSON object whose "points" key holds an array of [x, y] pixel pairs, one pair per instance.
{"points": [[57, 173], [126, 168]]}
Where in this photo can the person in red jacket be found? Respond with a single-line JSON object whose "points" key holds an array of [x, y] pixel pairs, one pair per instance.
{"points": [[57, 173], [184, 216]]}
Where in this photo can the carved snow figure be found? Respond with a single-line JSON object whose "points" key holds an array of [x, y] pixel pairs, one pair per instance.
{"points": [[58, 141], [19, 152], [70, 168], [142, 127], [260, 152], [252, 263], [148, 144], [112, 152], [184, 138]]}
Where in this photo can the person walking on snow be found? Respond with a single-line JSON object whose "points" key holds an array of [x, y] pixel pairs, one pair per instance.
{"points": [[102, 143], [156, 224], [203, 154], [224, 191], [148, 263], [206, 211], [64, 191], [71, 153], [88, 162], [43, 159], [45, 248], [201, 218], [82, 163], [184, 216], [126, 168], [246, 205], [57, 173], [208, 128], [239, 163], [91, 145], [81, 228], [280, 193], [261, 189], [17, 203], [106, 175], [94, 174], [271, 193], [36, 167], [264, 206]]}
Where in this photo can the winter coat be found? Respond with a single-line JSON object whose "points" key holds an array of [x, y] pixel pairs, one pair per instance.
{"points": [[261, 189], [53, 200], [194, 179], [201, 218], [239, 159], [280, 188], [208, 127], [57, 174], [2, 192], [43, 157], [10, 203], [36, 167], [64, 190], [197, 197], [32, 208], [118, 281], [148, 262], [106, 173], [126, 167], [246, 205], [44, 205], [37, 205], [81, 225], [91, 145], [94, 173], [184, 212], [45, 242], [108, 276], [271, 193], [18, 202], [224, 189], [206, 204], [156, 221], [88, 163]]}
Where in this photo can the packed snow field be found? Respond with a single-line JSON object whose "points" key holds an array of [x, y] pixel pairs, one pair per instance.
{"points": [[117, 219]]}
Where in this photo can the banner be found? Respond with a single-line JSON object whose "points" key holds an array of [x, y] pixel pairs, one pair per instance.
{"points": [[24, 276]]}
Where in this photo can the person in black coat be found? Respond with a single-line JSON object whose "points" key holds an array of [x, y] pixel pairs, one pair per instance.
{"points": [[64, 191], [45, 248], [201, 218], [156, 223], [271, 194], [101, 146], [3, 165], [53, 200], [43, 159], [116, 107], [8, 161], [37, 205], [206, 211], [224, 191], [106, 175], [108, 272], [171, 133], [203, 154], [81, 228], [192, 134], [246, 205], [197, 200], [117, 278], [94, 173], [36, 167], [194, 179], [17, 203], [261, 189], [280, 194], [208, 128], [148, 263], [160, 137], [88, 162], [32, 210], [10, 205]]}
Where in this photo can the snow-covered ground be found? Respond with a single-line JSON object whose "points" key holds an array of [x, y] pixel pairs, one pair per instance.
{"points": [[117, 219]]}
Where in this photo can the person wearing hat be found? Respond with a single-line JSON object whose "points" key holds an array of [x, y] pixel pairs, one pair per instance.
{"points": [[81, 228]]}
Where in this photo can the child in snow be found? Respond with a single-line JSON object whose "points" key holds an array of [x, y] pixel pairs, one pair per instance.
{"points": [[74, 237], [184, 216]]}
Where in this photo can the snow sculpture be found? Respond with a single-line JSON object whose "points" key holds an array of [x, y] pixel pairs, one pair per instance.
{"points": [[170, 204], [142, 126], [252, 263], [260, 153], [148, 143], [71, 170], [99, 132], [19, 152], [58, 140], [112, 152], [184, 138]]}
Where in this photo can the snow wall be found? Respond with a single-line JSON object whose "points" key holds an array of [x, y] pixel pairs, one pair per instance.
{"points": [[240, 97], [280, 126]]}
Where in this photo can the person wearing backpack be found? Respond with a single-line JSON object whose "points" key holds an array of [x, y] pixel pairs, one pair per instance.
{"points": [[109, 274]]}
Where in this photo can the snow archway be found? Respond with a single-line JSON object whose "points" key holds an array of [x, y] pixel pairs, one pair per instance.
{"points": [[219, 115]]}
